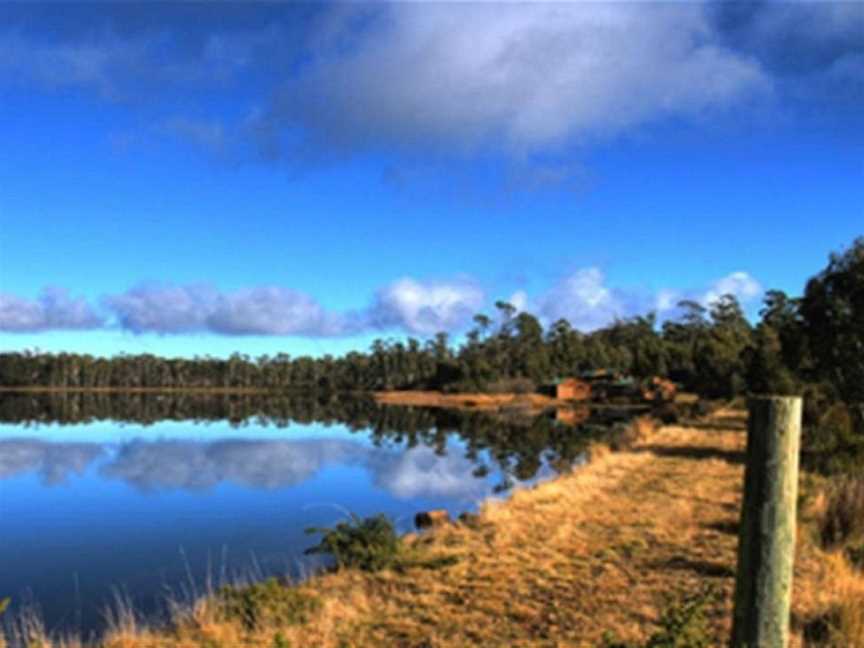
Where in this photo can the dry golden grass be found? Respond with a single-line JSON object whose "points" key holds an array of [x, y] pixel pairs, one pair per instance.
{"points": [[601, 549], [484, 402]]}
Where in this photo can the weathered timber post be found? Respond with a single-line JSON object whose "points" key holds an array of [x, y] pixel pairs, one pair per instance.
{"points": [[766, 538]]}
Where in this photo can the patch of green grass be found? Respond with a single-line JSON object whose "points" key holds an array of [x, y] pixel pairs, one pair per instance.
{"points": [[269, 603], [279, 641]]}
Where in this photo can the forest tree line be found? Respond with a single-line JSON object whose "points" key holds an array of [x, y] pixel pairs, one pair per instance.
{"points": [[713, 350], [812, 344]]}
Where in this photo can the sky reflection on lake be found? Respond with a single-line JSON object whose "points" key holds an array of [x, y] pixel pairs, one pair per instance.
{"points": [[91, 509]]}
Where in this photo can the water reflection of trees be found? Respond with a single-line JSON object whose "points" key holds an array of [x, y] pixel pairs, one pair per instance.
{"points": [[518, 445]]}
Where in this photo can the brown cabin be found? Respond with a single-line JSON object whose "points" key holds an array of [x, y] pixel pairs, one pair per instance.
{"points": [[572, 389]]}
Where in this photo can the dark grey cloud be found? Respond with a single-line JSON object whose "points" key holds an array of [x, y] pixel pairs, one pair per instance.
{"points": [[794, 38], [54, 309], [53, 462]]}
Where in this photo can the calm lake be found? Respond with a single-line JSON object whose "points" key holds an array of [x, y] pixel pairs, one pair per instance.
{"points": [[151, 497]]}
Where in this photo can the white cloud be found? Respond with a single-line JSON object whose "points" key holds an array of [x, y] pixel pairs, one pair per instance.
{"points": [[265, 310], [408, 305], [163, 308], [273, 311], [426, 307], [584, 299], [54, 309], [519, 300], [667, 300], [739, 284], [522, 77]]}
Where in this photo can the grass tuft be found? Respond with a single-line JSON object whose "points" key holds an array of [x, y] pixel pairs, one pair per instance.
{"points": [[268, 604]]}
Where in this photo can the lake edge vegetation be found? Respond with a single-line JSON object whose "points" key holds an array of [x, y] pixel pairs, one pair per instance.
{"points": [[811, 345]]}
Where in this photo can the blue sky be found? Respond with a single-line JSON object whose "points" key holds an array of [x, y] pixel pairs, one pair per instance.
{"points": [[199, 179]]}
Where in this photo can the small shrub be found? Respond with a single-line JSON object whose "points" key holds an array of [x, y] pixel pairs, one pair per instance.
{"points": [[266, 603], [369, 544]]}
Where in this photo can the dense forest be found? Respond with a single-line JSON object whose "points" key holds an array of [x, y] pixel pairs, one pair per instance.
{"points": [[705, 350], [813, 344]]}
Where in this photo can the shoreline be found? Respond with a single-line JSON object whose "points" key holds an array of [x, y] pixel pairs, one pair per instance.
{"points": [[597, 550], [412, 398]]}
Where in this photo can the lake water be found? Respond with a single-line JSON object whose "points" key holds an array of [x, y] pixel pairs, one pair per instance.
{"points": [[148, 498]]}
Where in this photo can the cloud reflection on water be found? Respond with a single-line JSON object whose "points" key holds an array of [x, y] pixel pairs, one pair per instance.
{"points": [[55, 463], [167, 465]]}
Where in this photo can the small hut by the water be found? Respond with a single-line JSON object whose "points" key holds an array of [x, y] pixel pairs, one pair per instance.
{"points": [[572, 389]]}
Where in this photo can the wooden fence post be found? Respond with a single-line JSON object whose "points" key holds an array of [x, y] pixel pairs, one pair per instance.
{"points": [[766, 540]]}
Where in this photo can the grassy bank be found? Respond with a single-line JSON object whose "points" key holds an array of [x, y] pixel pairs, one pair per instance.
{"points": [[621, 550]]}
